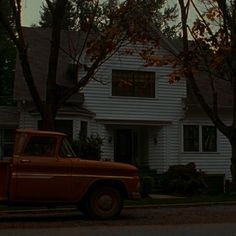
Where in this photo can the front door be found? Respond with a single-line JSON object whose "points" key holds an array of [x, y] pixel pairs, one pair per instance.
{"points": [[40, 176], [125, 146]]}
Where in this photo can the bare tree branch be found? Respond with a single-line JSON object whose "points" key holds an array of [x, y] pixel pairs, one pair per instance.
{"points": [[213, 114], [19, 42]]}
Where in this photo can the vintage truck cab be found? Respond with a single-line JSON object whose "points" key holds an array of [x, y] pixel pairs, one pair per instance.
{"points": [[45, 170]]}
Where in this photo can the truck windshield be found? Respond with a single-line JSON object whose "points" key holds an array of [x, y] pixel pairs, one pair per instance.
{"points": [[66, 149]]}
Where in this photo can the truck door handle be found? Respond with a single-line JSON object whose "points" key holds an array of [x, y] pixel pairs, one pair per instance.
{"points": [[25, 161]]}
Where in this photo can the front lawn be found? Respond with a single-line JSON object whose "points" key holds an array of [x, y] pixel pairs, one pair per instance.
{"points": [[158, 200], [154, 200]]}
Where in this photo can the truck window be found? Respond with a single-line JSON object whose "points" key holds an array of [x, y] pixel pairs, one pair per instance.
{"points": [[66, 149], [40, 146]]}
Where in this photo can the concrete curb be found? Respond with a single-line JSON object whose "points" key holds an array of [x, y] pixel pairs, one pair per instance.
{"points": [[13, 213], [35, 211]]}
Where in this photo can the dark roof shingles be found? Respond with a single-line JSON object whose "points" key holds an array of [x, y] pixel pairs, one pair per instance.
{"points": [[38, 42]]}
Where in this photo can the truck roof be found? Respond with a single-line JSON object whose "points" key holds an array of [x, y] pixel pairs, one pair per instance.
{"points": [[40, 132]]}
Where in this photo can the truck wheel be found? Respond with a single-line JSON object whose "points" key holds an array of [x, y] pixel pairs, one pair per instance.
{"points": [[104, 202]]}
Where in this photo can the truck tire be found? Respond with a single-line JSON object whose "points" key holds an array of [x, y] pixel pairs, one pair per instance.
{"points": [[104, 202]]}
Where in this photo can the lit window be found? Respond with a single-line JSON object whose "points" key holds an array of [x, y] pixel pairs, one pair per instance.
{"points": [[133, 83]]}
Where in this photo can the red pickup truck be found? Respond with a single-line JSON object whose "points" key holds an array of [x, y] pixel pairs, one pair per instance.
{"points": [[44, 170]]}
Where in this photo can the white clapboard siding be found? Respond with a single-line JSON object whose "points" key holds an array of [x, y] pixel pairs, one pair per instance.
{"points": [[212, 163], [27, 121], [164, 141], [169, 146], [157, 152], [76, 128], [106, 134], [166, 106]]}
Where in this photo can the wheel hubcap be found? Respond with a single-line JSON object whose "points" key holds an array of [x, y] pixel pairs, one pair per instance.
{"points": [[105, 202]]}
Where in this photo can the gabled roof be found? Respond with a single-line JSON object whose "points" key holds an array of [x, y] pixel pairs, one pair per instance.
{"points": [[222, 87], [38, 42]]}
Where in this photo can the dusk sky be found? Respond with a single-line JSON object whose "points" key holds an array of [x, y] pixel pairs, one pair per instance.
{"points": [[30, 11], [31, 8]]}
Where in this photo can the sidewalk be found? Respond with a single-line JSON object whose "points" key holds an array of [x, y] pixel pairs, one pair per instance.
{"points": [[162, 196]]}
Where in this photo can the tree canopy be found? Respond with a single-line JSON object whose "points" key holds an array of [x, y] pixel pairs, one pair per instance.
{"points": [[111, 22], [79, 15], [206, 52], [7, 60], [212, 54]]}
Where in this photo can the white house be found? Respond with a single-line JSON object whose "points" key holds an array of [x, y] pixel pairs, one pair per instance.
{"points": [[142, 118]]}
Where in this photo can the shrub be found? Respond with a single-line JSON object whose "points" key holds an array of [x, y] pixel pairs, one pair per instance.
{"points": [[183, 179], [147, 184], [88, 147]]}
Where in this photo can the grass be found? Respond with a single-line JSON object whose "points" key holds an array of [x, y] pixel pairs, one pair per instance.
{"points": [[228, 197], [184, 199]]}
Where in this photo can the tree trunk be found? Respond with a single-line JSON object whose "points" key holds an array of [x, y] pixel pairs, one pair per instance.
{"points": [[48, 117]]}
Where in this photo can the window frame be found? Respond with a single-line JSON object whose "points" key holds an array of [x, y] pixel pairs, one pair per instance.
{"points": [[134, 96], [200, 138]]}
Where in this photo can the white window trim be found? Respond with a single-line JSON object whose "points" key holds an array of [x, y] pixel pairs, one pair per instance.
{"points": [[156, 97], [200, 139]]}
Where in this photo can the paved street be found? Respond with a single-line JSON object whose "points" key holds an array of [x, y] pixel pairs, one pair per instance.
{"points": [[161, 221], [170, 230]]}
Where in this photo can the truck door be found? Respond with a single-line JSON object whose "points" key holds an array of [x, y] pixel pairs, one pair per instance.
{"points": [[39, 175]]}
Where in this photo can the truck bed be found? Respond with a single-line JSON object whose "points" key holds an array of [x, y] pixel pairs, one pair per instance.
{"points": [[4, 178]]}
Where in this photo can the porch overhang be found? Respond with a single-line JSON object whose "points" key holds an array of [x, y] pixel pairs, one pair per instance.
{"points": [[133, 122], [68, 110]]}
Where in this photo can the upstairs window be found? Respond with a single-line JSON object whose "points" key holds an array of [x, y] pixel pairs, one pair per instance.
{"points": [[199, 138], [133, 83]]}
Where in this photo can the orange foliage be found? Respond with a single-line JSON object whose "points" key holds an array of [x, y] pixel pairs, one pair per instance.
{"points": [[213, 13]]}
